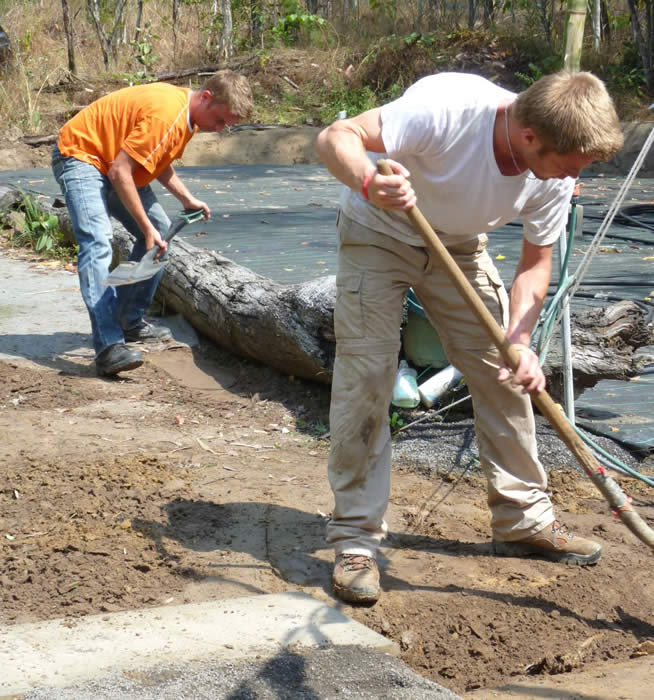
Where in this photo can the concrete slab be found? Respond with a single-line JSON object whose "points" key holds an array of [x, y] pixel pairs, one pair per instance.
{"points": [[42, 315], [59, 653], [43, 318]]}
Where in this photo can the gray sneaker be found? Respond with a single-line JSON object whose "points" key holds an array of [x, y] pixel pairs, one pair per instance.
{"points": [[147, 333], [356, 578]]}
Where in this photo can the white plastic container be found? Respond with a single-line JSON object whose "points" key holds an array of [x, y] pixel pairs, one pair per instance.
{"points": [[405, 390], [431, 390]]}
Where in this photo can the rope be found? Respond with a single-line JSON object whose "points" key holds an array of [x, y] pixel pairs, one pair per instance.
{"points": [[608, 220], [568, 285]]}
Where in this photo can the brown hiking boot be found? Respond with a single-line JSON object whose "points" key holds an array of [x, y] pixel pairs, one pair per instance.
{"points": [[554, 542], [356, 578]]}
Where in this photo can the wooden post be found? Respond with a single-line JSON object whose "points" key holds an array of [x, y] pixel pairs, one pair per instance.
{"points": [[575, 20]]}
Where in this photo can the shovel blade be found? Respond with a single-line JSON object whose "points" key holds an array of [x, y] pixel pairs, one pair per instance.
{"points": [[133, 272]]}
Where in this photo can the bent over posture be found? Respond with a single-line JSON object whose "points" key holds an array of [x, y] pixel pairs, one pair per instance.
{"points": [[104, 160], [475, 156]]}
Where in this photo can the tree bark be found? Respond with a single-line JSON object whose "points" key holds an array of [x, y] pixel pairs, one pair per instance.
{"points": [[574, 34], [175, 20], [642, 43], [107, 41], [597, 25], [68, 29], [226, 43], [289, 327], [606, 344]]}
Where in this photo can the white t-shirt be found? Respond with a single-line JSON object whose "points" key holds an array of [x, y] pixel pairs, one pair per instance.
{"points": [[441, 130]]}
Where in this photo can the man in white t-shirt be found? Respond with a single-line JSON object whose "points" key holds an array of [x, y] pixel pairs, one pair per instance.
{"points": [[475, 157]]}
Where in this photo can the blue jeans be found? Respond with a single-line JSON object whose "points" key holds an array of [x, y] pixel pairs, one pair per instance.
{"points": [[91, 201]]}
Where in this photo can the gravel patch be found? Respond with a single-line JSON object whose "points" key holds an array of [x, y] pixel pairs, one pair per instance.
{"points": [[435, 445], [335, 672]]}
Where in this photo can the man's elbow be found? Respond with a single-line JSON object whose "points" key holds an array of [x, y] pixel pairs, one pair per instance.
{"points": [[115, 174], [321, 144]]}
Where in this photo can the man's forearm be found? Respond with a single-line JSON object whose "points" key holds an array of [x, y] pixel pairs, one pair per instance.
{"points": [[341, 149], [172, 182], [123, 184], [527, 295]]}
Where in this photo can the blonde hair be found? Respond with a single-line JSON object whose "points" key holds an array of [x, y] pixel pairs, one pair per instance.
{"points": [[231, 89], [571, 113]]}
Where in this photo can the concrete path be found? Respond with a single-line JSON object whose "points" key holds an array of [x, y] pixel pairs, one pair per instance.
{"points": [[208, 650]]}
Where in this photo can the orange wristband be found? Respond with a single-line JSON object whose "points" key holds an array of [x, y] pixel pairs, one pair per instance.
{"points": [[366, 182]]}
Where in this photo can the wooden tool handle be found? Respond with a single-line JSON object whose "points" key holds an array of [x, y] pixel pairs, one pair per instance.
{"points": [[609, 488]]}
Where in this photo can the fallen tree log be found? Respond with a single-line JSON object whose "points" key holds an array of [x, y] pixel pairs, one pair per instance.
{"points": [[289, 327], [609, 342]]}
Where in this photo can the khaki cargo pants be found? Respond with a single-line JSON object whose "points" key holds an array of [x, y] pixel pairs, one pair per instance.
{"points": [[374, 273]]}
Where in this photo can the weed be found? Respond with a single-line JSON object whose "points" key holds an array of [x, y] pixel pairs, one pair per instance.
{"points": [[33, 228], [395, 421], [538, 70], [143, 48], [291, 27], [343, 98]]}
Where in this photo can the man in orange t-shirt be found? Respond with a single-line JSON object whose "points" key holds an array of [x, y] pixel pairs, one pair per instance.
{"points": [[104, 160]]}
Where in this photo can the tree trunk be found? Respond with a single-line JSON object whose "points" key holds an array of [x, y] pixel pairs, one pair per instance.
{"points": [[226, 44], [175, 19], [641, 43], [471, 13], [605, 344], [107, 41], [597, 25], [289, 327], [68, 29], [574, 34], [139, 17], [256, 21], [606, 21], [545, 20], [489, 12]]}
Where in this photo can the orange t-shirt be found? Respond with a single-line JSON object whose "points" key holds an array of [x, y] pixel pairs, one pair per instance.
{"points": [[149, 122]]}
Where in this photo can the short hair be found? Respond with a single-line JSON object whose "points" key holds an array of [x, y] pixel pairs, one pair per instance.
{"points": [[571, 113], [231, 89]]}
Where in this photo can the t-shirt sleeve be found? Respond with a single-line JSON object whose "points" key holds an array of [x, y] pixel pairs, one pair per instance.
{"points": [[145, 142], [545, 215], [410, 126]]}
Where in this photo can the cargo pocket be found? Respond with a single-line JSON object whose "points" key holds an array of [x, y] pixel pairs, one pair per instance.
{"points": [[498, 301], [348, 311]]}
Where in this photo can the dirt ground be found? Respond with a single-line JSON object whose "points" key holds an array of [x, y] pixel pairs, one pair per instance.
{"points": [[203, 476]]}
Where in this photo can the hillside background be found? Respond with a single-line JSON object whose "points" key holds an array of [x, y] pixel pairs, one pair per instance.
{"points": [[306, 60]]}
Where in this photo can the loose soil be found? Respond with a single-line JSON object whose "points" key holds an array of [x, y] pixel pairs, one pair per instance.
{"points": [[203, 476]]}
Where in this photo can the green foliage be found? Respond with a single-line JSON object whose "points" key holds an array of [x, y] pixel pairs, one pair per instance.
{"points": [[144, 49], [292, 26], [351, 100], [537, 70], [395, 421], [623, 78], [385, 8], [33, 228]]}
